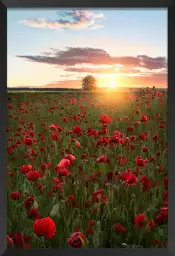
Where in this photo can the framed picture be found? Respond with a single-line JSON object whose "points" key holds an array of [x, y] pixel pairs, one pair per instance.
{"points": [[86, 148]]}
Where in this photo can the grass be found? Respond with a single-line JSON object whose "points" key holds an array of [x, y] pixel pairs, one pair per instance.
{"points": [[125, 202]]}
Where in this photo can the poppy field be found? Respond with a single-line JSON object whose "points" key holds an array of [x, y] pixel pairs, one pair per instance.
{"points": [[87, 170]]}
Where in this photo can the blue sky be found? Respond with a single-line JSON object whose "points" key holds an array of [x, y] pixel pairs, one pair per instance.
{"points": [[118, 32]]}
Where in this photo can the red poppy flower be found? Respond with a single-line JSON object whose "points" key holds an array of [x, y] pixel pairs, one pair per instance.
{"points": [[70, 157], [62, 171], [25, 168], [65, 119], [98, 196], [90, 228], [101, 159], [45, 227], [55, 137], [28, 141], [33, 213], [105, 119], [136, 123], [32, 134], [119, 228], [9, 240], [145, 149], [162, 125], [142, 136], [10, 106], [162, 217], [64, 163], [28, 202], [77, 144], [144, 118], [76, 129], [132, 137], [165, 182], [33, 175], [146, 184], [19, 240], [76, 240], [15, 195], [72, 202], [72, 100], [122, 160], [140, 220], [130, 129], [129, 178], [155, 136], [111, 176], [42, 149], [151, 224], [140, 162]]}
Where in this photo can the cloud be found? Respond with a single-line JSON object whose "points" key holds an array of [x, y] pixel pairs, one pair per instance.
{"points": [[99, 70], [154, 79], [72, 56], [64, 84], [67, 19], [152, 63], [108, 70]]}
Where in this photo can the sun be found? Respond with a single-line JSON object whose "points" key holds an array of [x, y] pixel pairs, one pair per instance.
{"points": [[111, 83]]}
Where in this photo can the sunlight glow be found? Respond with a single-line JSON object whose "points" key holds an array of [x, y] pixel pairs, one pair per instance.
{"points": [[111, 82]]}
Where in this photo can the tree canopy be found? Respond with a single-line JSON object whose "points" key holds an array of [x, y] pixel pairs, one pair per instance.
{"points": [[89, 83]]}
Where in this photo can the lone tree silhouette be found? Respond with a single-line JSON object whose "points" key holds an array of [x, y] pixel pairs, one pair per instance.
{"points": [[89, 83]]}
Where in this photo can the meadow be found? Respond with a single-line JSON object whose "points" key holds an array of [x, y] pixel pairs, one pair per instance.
{"points": [[87, 170]]}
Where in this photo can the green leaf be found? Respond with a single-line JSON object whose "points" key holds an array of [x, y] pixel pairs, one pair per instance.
{"points": [[96, 241], [55, 210]]}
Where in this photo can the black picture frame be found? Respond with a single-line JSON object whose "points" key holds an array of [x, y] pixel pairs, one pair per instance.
{"points": [[3, 118]]}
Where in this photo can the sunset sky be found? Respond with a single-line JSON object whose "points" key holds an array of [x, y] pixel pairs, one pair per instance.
{"points": [[57, 48]]}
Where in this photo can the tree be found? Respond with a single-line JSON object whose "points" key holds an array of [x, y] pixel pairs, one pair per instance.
{"points": [[89, 83]]}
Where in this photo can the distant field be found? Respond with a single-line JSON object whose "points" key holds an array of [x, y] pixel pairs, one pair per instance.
{"points": [[76, 90], [88, 169]]}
